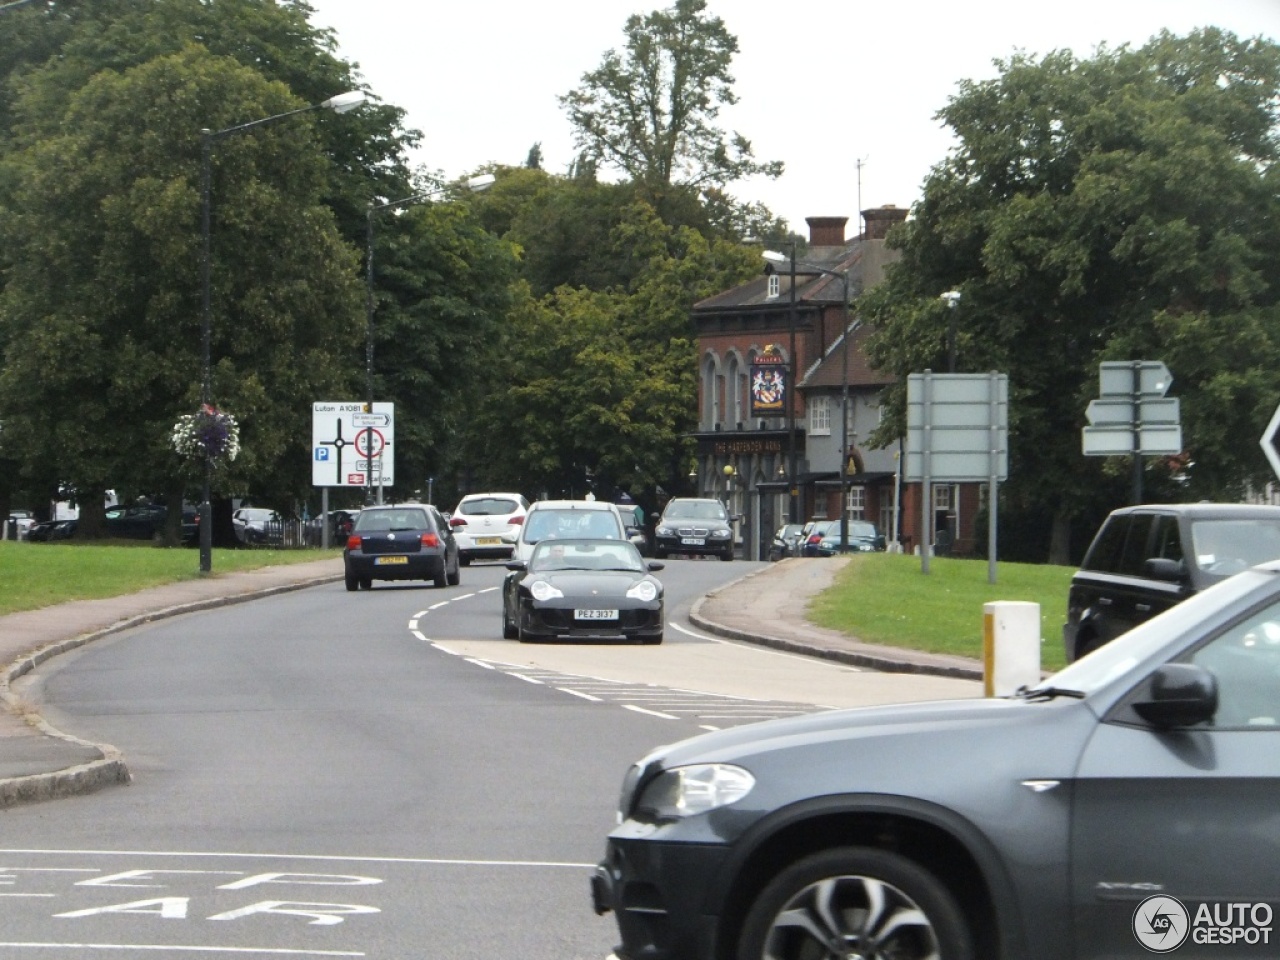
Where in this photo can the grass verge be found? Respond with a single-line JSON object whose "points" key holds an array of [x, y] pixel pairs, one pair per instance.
{"points": [[34, 575], [885, 598]]}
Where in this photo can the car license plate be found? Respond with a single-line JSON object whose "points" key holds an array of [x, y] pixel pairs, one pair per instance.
{"points": [[595, 614], [383, 561], [488, 541], [693, 541]]}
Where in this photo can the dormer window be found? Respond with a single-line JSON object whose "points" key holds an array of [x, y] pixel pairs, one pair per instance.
{"points": [[774, 286]]}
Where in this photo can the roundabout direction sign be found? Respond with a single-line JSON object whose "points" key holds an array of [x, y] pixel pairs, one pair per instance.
{"points": [[1271, 442], [352, 446]]}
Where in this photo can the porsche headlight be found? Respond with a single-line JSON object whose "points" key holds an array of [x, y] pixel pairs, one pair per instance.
{"points": [[543, 591], [698, 788], [644, 591]]}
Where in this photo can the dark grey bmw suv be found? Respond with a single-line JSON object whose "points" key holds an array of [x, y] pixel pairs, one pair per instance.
{"points": [[1124, 807]]}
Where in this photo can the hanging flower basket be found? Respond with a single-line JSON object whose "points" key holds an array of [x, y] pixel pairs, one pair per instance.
{"points": [[207, 433]]}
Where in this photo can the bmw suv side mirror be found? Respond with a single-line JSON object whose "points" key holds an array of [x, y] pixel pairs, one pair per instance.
{"points": [[1178, 695]]}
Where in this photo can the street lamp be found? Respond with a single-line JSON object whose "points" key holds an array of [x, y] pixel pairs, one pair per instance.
{"points": [[843, 277], [792, 485], [952, 299], [339, 104], [475, 184]]}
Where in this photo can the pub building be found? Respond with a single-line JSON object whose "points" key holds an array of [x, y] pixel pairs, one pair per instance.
{"points": [[776, 364]]}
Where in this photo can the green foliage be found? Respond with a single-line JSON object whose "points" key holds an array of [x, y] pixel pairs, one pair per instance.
{"points": [[601, 383], [40, 575], [884, 599], [651, 110], [444, 288], [1122, 207]]}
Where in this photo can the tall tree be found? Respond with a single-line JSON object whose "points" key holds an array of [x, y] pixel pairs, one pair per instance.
{"points": [[651, 111], [102, 313], [601, 383], [1121, 207]]}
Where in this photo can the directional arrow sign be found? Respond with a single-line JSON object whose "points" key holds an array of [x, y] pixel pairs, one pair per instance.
{"points": [[1159, 439], [371, 419], [1271, 442], [1116, 378]]}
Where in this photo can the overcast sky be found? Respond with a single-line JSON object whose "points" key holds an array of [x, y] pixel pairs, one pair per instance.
{"points": [[822, 84]]}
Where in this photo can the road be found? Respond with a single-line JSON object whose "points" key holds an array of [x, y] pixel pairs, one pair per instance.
{"points": [[376, 774]]}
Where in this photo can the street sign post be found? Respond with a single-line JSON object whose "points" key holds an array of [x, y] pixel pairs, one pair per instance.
{"points": [[352, 447], [1132, 416], [957, 431]]}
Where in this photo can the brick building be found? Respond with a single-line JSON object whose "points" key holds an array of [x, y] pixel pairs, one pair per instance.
{"points": [[780, 455]]}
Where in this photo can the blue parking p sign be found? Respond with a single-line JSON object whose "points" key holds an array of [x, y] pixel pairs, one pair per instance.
{"points": [[322, 454]]}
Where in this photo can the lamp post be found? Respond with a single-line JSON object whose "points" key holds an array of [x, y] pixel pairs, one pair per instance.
{"points": [[843, 277], [475, 184], [339, 104], [792, 490], [952, 299]]}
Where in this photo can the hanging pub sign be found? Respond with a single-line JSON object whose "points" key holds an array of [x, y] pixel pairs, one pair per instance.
{"points": [[768, 383]]}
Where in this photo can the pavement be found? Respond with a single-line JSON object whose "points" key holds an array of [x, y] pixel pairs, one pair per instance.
{"points": [[38, 762]]}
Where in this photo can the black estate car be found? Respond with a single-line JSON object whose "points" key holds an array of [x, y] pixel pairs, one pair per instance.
{"points": [[408, 541], [1122, 808], [1145, 559]]}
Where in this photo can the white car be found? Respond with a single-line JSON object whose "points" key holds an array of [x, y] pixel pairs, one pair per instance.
{"points": [[487, 525], [569, 520]]}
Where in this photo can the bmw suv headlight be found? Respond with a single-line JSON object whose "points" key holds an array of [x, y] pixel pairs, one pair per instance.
{"points": [[644, 591], [665, 531], [720, 533], [688, 791], [543, 591]]}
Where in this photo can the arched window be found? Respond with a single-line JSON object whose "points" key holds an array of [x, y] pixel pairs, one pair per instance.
{"points": [[710, 393]]}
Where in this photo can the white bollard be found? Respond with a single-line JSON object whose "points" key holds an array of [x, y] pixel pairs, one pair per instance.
{"points": [[1010, 646]]}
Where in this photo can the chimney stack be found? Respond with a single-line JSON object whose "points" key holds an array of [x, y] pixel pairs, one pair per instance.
{"points": [[826, 231], [879, 220]]}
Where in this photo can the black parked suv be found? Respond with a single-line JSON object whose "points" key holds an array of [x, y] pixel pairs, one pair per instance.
{"points": [[1145, 559]]}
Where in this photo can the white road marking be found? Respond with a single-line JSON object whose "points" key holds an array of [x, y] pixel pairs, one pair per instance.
{"points": [[411, 861], [521, 676], [178, 948], [480, 663], [577, 693], [652, 713]]}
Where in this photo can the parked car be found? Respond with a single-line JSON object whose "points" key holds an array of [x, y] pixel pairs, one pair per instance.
{"points": [[786, 541], [692, 525], [141, 521], [47, 530], [1145, 559], [1119, 808], [812, 535], [863, 538], [569, 520], [583, 589], [408, 541], [20, 521], [486, 525], [257, 525]]}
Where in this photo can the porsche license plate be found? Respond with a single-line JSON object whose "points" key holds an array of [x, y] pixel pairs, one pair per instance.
{"points": [[384, 561], [595, 614], [694, 541], [488, 541]]}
